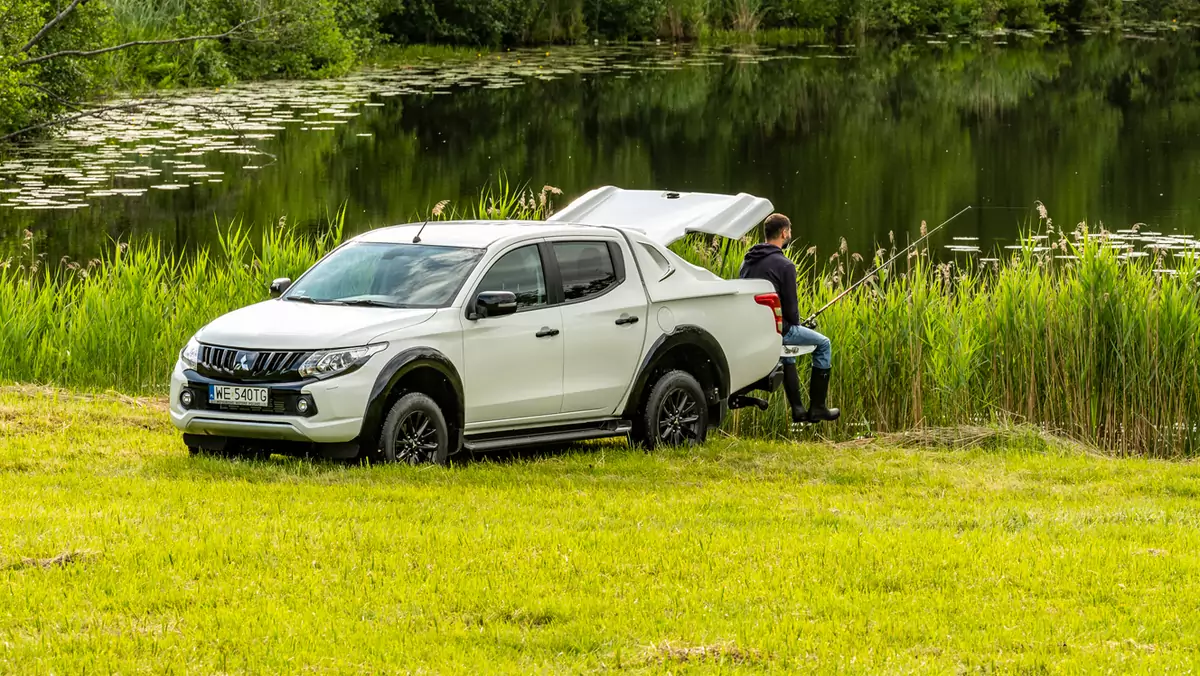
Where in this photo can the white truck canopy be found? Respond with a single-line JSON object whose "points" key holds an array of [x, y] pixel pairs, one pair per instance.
{"points": [[665, 216]]}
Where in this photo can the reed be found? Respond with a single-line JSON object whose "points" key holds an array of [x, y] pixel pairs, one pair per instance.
{"points": [[1071, 335]]}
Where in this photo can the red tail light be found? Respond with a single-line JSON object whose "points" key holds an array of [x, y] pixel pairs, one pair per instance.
{"points": [[771, 300]]}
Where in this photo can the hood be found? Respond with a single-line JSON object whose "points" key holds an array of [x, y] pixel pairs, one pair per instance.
{"points": [[667, 216], [291, 325], [761, 251]]}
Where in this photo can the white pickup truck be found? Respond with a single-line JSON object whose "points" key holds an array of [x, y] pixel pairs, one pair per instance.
{"points": [[414, 342]]}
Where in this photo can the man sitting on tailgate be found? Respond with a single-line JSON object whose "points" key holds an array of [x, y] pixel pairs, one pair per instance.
{"points": [[767, 261]]}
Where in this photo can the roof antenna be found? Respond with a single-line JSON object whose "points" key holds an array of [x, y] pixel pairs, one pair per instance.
{"points": [[437, 211]]}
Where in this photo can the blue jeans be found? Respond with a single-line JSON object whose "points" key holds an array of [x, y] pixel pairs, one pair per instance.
{"points": [[822, 357]]}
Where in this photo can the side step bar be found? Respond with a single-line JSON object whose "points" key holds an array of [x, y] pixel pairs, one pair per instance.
{"points": [[547, 436]]}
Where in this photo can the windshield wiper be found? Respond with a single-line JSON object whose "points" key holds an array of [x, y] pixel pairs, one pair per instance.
{"points": [[314, 301], [366, 302]]}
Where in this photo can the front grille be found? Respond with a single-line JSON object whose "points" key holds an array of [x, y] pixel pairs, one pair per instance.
{"points": [[250, 366]]}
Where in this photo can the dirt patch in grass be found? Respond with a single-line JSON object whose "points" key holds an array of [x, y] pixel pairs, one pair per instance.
{"points": [[975, 437], [42, 391], [33, 410], [61, 561], [714, 653]]}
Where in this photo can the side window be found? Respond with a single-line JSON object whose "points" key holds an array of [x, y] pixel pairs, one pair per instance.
{"points": [[519, 271], [586, 267]]}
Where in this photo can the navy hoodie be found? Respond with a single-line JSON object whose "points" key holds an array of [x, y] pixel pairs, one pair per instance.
{"points": [[767, 261]]}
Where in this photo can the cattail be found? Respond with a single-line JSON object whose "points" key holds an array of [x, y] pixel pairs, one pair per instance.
{"points": [[439, 208], [924, 229]]}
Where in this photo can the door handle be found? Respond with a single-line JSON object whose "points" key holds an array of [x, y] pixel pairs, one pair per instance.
{"points": [[627, 319], [547, 332]]}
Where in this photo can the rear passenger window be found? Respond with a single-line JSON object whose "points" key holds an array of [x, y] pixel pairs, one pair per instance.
{"points": [[586, 268]]}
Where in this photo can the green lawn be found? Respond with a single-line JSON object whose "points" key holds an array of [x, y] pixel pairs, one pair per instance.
{"points": [[741, 556]]}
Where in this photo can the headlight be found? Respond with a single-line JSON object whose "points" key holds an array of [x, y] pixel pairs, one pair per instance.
{"points": [[329, 363], [190, 353]]}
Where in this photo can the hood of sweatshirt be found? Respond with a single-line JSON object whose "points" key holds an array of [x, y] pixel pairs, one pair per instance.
{"points": [[761, 251]]}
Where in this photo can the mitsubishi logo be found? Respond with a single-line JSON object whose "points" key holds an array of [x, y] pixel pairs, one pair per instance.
{"points": [[245, 361]]}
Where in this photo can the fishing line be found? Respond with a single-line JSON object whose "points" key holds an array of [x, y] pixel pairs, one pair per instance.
{"points": [[812, 319]]}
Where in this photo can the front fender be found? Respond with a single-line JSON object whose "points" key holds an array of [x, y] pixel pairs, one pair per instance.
{"points": [[395, 370]]}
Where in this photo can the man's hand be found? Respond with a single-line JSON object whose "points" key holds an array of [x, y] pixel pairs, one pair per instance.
{"points": [[810, 323]]}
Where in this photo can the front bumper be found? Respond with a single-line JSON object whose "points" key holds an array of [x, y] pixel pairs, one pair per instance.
{"points": [[337, 407]]}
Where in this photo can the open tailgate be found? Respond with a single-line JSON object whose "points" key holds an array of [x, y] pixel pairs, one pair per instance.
{"points": [[666, 216]]}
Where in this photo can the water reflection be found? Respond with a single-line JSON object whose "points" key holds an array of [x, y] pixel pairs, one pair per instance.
{"points": [[852, 142]]}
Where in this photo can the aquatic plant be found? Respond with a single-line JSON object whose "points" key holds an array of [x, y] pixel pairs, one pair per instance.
{"points": [[1079, 334]]}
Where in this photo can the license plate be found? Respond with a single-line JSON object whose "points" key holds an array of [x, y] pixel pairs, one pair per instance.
{"points": [[239, 396], [797, 350]]}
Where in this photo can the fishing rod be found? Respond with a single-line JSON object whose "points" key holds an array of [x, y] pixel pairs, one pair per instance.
{"points": [[811, 322]]}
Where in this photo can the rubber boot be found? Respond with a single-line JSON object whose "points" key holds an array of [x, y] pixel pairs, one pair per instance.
{"points": [[791, 386], [818, 388]]}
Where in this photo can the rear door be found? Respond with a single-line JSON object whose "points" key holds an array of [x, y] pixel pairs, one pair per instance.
{"points": [[604, 320], [514, 364]]}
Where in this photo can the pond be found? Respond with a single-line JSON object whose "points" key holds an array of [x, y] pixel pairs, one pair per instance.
{"points": [[852, 141]]}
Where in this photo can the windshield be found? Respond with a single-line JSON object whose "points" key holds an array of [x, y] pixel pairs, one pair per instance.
{"points": [[387, 275]]}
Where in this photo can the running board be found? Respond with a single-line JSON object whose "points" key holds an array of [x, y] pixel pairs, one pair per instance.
{"points": [[547, 436]]}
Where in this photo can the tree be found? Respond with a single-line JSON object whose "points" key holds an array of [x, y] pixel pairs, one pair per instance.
{"points": [[52, 51]]}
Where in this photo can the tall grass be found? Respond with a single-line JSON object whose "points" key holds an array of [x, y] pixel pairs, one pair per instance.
{"points": [[1096, 347], [119, 322], [1072, 337]]}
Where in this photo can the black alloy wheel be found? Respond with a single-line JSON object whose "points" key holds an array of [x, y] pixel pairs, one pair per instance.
{"points": [[415, 432], [676, 412], [677, 418], [416, 439]]}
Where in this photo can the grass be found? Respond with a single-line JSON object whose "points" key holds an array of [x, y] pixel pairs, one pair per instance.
{"points": [[1097, 348], [122, 554]]}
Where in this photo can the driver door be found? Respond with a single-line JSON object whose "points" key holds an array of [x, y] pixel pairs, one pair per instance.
{"points": [[514, 364]]}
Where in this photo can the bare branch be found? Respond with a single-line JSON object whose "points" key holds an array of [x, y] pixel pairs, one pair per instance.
{"points": [[51, 24], [95, 112], [138, 43], [32, 85]]}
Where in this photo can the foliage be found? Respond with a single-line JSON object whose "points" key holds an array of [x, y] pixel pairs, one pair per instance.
{"points": [[28, 94], [123, 555], [320, 38]]}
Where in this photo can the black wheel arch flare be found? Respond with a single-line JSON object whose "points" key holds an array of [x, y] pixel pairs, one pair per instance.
{"points": [[396, 370], [660, 354]]}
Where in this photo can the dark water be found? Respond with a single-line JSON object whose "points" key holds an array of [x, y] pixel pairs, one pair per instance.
{"points": [[851, 142]]}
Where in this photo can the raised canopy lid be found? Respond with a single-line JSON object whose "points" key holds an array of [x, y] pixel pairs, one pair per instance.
{"points": [[666, 216]]}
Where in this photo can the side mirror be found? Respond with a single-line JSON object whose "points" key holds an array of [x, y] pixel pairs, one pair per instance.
{"points": [[495, 304], [279, 286]]}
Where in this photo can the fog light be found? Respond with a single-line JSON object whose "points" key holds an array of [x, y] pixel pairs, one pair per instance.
{"points": [[186, 398], [302, 406]]}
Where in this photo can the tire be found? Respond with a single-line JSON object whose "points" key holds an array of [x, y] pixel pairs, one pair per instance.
{"points": [[676, 413], [415, 432]]}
